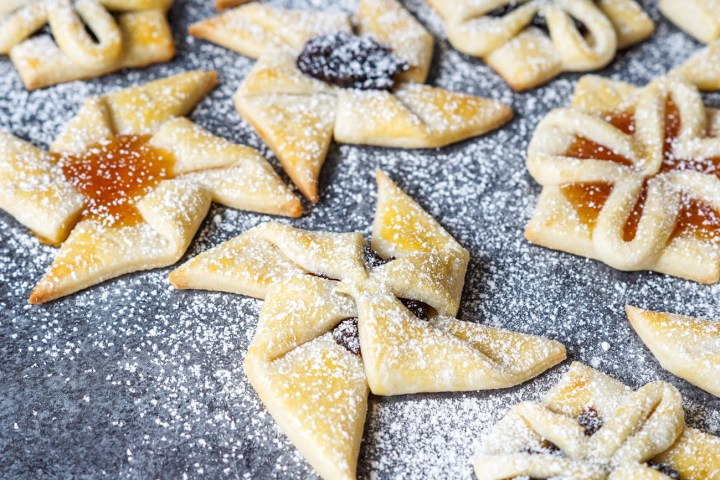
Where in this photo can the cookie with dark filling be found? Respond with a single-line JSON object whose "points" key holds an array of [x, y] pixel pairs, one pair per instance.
{"points": [[342, 318], [322, 77]]}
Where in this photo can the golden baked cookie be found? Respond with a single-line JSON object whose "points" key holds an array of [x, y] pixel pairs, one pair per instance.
{"points": [[699, 18], [89, 38], [530, 42], [592, 427], [631, 176], [342, 318], [126, 185], [319, 77], [685, 346]]}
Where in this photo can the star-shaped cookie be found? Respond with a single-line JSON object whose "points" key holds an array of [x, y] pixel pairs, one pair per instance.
{"points": [[631, 175], [126, 185], [342, 319], [592, 427], [321, 77], [530, 42], [88, 38]]}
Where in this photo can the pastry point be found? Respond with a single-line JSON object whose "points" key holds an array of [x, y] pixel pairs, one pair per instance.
{"points": [[685, 346]]}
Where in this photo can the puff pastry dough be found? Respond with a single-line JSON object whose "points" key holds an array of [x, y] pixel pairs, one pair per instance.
{"points": [[298, 116], [699, 18], [530, 42], [688, 347], [631, 175], [313, 282], [592, 427], [128, 34], [156, 218]]}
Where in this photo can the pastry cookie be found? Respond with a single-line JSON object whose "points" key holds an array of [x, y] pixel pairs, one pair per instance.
{"points": [[687, 347], [530, 42], [342, 318], [592, 427], [126, 185], [699, 18], [88, 38], [319, 77], [631, 177]]}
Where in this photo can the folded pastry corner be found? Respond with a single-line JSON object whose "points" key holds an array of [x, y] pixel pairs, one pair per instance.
{"points": [[699, 18], [342, 319], [685, 346]]}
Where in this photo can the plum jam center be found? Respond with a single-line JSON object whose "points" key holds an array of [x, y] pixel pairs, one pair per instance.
{"points": [[350, 61]]}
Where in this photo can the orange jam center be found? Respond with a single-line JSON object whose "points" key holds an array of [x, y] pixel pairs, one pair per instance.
{"points": [[588, 199], [584, 148], [695, 218], [114, 175]]}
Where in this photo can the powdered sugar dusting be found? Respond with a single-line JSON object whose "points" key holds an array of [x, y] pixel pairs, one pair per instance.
{"points": [[133, 378]]}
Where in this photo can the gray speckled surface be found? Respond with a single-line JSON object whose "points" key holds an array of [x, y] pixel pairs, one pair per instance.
{"points": [[133, 379]]}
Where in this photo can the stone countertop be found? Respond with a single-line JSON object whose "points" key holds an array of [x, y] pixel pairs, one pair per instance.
{"points": [[133, 379]]}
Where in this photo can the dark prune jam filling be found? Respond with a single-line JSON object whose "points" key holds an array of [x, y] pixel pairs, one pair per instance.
{"points": [[318, 275], [546, 446], [665, 469], [538, 20], [590, 420], [350, 61], [502, 11], [418, 308], [347, 335], [373, 259]]}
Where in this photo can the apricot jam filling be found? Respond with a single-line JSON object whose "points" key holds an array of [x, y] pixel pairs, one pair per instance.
{"points": [[113, 175], [588, 199], [696, 218]]}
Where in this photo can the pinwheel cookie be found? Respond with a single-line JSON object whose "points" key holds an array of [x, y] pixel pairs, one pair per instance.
{"points": [[127, 184], [630, 177], [342, 319], [320, 77], [592, 427], [530, 42], [699, 18], [89, 38], [687, 347]]}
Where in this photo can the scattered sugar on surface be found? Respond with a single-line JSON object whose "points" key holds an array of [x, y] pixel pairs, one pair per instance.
{"points": [[162, 370]]}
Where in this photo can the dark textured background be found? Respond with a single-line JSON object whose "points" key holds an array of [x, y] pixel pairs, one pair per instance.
{"points": [[134, 379]]}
